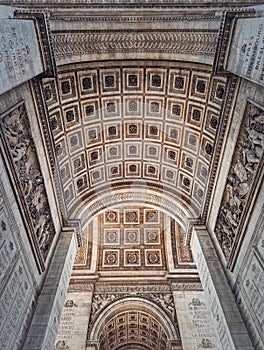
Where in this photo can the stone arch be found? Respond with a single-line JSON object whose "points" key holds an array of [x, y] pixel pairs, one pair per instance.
{"points": [[151, 198], [136, 321]]}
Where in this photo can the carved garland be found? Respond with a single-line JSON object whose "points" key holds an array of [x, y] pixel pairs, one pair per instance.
{"points": [[21, 149], [101, 42], [165, 301], [246, 162]]}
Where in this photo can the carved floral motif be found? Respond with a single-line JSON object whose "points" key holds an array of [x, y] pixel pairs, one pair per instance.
{"points": [[18, 137], [165, 301], [246, 160], [173, 42]]}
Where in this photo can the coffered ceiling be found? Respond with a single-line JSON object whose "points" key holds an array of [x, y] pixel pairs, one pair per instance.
{"points": [[135, 125]]}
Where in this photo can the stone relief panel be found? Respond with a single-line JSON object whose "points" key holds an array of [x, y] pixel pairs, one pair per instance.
{"points": [[20, 148], [247, 161]]}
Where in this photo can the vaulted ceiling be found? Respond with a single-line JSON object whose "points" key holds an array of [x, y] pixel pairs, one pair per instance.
{"points": [[135, 127]]}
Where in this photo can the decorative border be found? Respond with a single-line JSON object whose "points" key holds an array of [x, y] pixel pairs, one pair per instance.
{"points": [[178, 41]]}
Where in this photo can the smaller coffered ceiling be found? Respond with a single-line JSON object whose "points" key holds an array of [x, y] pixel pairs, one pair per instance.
{"points": [[130, 242]]}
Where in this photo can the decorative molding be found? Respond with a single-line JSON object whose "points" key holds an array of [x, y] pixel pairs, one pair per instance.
{"points": [[79, 286], [132, 289], [233, 83], [225, 35], [241, 180], [42, 113], [147, 198], [180, 42], [140, 18], [186, 286], [182, 255]]}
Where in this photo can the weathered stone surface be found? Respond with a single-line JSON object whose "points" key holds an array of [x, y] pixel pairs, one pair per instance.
{"points": [[20, 58], [246, 56], [74, 321], [219, 297], [46, 318], [195, 322]]}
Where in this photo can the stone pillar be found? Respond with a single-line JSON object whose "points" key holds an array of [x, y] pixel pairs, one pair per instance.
{"points": [[225, 314], [74, 321], [194, 320], [45, 322]]}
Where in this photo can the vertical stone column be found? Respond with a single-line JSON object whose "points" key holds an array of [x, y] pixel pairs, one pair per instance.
{"points": [[45, 322], [226, 317], [194, 320], [74, 321]]}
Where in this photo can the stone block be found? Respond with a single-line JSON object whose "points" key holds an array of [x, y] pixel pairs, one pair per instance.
{"points": [[21, 55]]}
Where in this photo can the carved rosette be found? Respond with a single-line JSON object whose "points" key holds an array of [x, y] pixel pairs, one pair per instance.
{"points": [[246, 162], [21, 149]]}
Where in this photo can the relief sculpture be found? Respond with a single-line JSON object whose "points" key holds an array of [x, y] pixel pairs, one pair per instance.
{"points": [[246, 160], [165, 301], [16, 130]]}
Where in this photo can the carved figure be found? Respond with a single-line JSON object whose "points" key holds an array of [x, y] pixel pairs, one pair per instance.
{"points": [[44, 237], [207, 344], [61, 345], [240, 178], [70, 303], [16, 128], [39, 198]]}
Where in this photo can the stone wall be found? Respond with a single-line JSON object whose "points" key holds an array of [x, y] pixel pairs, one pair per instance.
{"points": [[195, 322], [30, 220], [19, 277], [245, 266], [74, 321]]}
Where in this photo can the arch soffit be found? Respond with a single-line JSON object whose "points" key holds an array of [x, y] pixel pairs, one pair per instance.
{"points": [[148, 197], [128, 304]]}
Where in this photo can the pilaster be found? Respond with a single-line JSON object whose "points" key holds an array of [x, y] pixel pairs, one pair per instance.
{"points": [[45, 322], [225, 314]]}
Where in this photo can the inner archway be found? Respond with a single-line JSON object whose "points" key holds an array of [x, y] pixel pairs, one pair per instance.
{"points": [[133, 322]]}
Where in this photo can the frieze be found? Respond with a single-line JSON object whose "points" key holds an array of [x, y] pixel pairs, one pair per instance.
{"points": [[16, 130], [180, 42], [187, 286], [137, 18], [247, 160], [130, 289], [81, 286]]}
